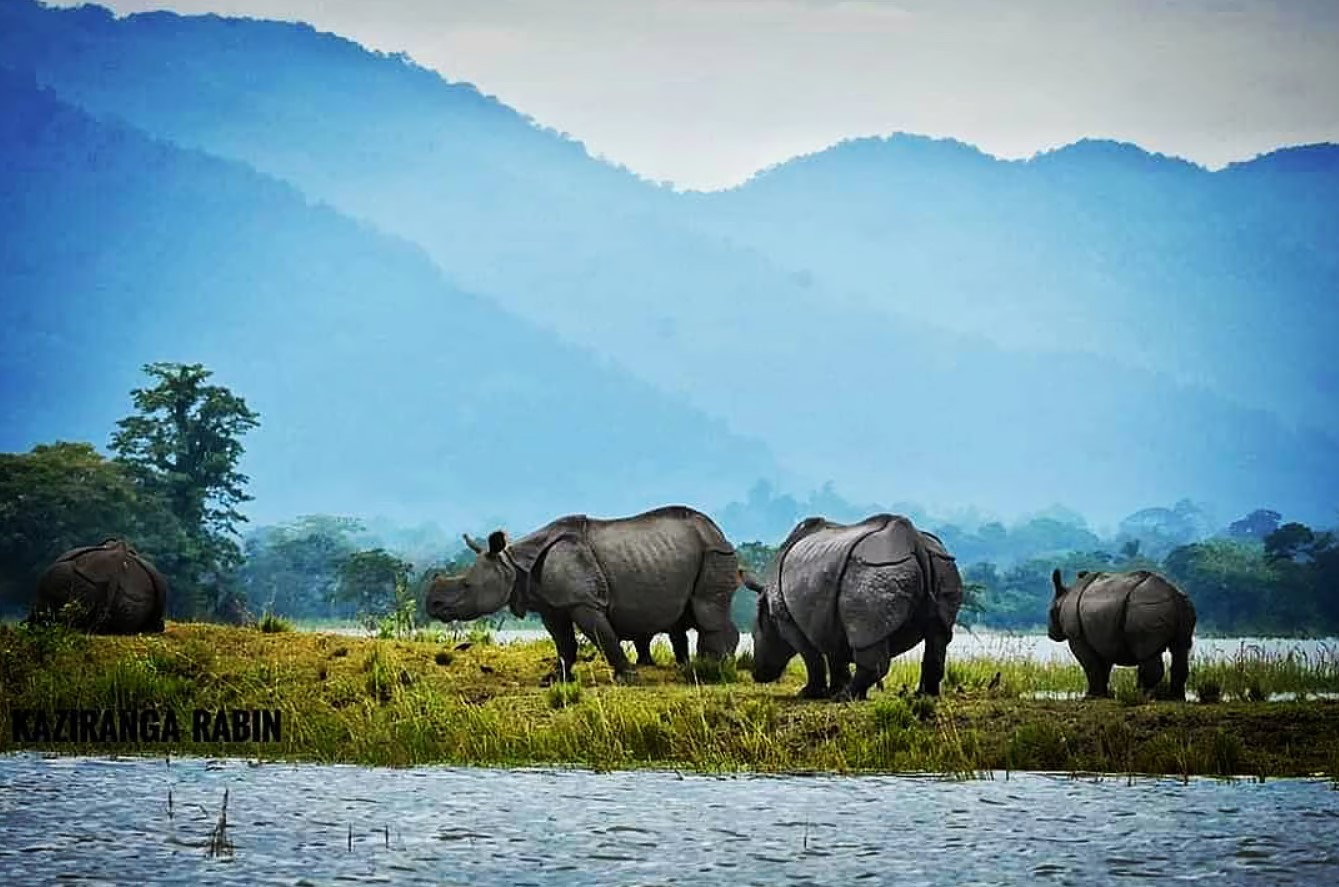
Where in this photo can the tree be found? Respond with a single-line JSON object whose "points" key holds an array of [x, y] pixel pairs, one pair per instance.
{"points": [[376, 582], [1256, 525], [293, 569], [1289, 541], [184, 444], [64, 495]]}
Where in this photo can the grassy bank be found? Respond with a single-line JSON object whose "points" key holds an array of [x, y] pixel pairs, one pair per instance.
{"points": [[356, 700]]}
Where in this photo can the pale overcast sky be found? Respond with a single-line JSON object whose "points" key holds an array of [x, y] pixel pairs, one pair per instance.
{"points": [[703, 93]]}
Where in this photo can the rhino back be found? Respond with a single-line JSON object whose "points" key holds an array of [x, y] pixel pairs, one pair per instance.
{"points": [[1153, 619], [1094, 610], [652, 562], [878, 600], [812, 570]]}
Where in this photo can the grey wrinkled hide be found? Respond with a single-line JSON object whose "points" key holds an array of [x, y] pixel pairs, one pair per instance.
{"points": [[103, 589], [865, 593], [665, 570], [1125, 619]]}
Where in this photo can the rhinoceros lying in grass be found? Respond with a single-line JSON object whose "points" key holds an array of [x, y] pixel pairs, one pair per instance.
{"points": [[103, 589]]}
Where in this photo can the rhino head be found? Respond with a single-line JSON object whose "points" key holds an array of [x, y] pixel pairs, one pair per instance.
{"points": [[482, 589], [1053, 629], [771, 652]]}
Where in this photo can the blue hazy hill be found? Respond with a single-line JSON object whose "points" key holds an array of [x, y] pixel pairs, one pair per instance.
{"points": [[911, 319], [1221, 279], [382, 388]]}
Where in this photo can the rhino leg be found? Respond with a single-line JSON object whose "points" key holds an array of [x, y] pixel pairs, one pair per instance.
{"points": [[717, 578], [564, 637], [871, 664], [594, 624], [932, 662], [1180, 672], [643, 645], [839, 665], [1097, 669], [679, 641], [1150, 674], [815, 665]]}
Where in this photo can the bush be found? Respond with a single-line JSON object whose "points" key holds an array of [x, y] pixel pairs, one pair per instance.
{"points": [[272, 624]]}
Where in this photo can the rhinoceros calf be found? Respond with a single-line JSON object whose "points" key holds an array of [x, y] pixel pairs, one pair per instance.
{"points": [[103, 589], [666, 570], [864, 593], [1124, 619]]}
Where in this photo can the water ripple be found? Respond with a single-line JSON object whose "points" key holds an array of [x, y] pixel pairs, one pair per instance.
{"points": [[90, 821]]}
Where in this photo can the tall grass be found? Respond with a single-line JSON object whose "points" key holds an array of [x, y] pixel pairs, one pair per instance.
{"points": [[417, 701]]}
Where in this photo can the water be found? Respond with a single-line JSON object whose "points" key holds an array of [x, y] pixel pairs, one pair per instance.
{"points": [[99, 821], [1008, 645]]}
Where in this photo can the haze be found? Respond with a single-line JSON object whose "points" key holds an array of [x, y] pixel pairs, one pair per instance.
{"points": [[703, 93]]}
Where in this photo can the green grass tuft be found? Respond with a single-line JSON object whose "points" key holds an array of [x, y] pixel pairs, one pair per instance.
{"points": [[272, 624]]}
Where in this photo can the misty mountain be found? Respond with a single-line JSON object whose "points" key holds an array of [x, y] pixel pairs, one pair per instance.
{"points": [[831, 315], [381, 387], [1222, 279]]}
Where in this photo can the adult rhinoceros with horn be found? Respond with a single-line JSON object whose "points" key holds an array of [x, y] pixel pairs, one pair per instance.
{"points": [[864, 592], [1124, 619], [662, 571], [103, 589]]}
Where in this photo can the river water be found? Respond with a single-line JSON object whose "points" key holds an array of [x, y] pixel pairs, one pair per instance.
{"points": [[101, 821], [969, 644]]}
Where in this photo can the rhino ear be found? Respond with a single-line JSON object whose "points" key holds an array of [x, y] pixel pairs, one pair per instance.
{"points": [[1055, 580], [473, 545], [497, 540]]}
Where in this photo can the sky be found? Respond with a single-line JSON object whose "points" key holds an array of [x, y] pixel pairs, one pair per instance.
{"points": [[703, 93]]}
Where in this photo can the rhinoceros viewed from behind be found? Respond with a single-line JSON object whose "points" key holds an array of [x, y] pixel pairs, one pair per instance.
{"points": [[865, 593], [102, 589], [1124, 619], [665, 570]]}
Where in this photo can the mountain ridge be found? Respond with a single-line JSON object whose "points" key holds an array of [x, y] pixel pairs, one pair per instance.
{"points": [[700, 299], [299, 340]]}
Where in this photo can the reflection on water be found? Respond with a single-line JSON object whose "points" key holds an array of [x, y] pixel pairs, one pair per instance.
{"points": [[86, 821]]}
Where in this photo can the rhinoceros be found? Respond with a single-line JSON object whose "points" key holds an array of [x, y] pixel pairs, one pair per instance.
{"points": [[1124, 619], [665, 570], [864, 592], [103, 589]]}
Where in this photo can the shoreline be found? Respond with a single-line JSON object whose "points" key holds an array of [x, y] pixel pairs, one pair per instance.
{"points": [[403, 703], [217, 762]]}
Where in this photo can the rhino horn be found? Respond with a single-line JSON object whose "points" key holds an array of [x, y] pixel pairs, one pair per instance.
{"points": [[474, 545], [1056, 581]]}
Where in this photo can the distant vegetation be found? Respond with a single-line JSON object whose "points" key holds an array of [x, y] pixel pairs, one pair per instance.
{"points": [[173, 488]]}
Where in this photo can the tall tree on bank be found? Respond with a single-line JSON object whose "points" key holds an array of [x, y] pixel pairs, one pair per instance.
{"points": [[184, 444]]}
